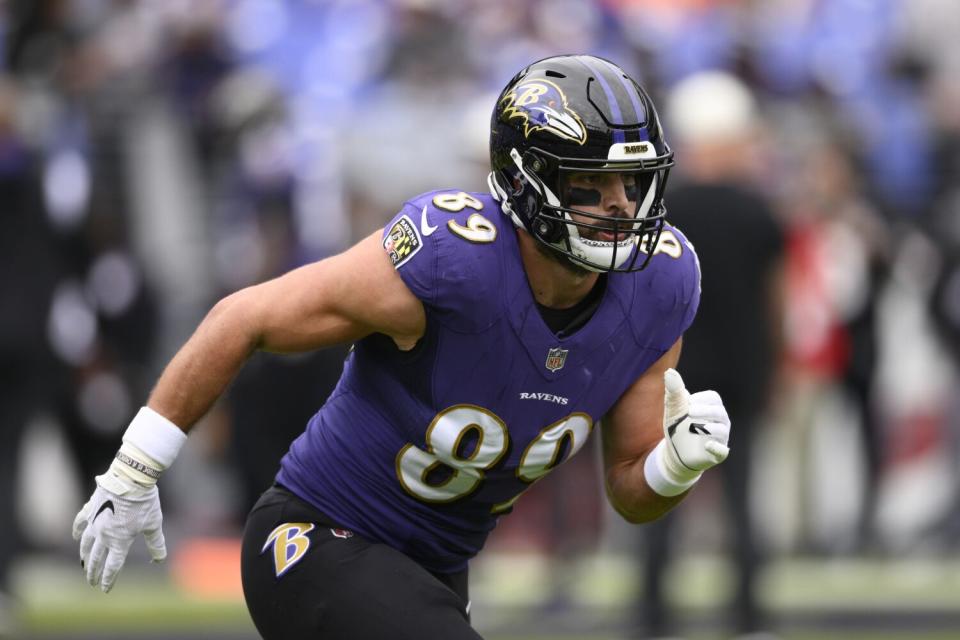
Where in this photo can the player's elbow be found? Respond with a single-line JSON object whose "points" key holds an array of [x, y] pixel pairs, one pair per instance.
{"points": [[642, 513], [636, 504], [623, 504], [635, 515], [630, 516], [236, 319]]}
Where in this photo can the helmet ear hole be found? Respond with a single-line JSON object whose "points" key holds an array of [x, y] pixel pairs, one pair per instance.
{"points": [[533, 162], [548, 230], [503, 185]]}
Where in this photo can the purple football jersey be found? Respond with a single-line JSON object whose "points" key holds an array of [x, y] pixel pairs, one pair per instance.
{"points": [[424, 449]]}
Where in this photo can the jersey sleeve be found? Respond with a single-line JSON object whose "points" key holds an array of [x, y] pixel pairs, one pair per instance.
{"points": [[689, 284], [456, 278], [669, 294]]}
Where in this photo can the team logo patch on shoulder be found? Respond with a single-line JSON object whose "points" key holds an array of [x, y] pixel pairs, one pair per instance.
{"points": [[556, 358], [402, 241]]}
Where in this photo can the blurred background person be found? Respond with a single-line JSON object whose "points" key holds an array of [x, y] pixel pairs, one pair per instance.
{"points": [[838, 263], [942, 228], [734, 346], [28, 274], [274, 395], [102, 323]]}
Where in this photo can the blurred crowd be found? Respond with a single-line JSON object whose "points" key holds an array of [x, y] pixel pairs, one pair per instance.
{"points": [[157, 155]]}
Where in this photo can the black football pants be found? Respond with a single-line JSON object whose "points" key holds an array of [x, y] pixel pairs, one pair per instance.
{"points": [[305, 578]]}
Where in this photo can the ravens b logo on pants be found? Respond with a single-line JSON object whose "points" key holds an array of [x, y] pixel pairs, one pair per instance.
{"points": [[290, 543]]}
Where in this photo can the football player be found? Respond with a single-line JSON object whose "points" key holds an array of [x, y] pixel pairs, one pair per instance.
{"points": [[492, 333]]}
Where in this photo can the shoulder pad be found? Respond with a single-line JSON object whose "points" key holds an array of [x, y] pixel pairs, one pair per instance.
{"points": [[667, 292], [444, 245]]}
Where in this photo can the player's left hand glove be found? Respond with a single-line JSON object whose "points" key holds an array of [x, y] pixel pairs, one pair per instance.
{"points": [[696, 430], [116, 514], [696, 426]]}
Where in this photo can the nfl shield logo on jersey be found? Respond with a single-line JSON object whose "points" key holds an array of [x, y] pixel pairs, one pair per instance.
{"points": [[555, 358]]}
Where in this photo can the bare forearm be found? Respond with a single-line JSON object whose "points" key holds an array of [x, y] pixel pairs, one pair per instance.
{"points": [[205, 365], [631, 496]]}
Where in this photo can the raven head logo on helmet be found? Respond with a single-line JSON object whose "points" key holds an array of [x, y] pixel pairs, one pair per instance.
{"points": [[564, 131], [542, 106]]}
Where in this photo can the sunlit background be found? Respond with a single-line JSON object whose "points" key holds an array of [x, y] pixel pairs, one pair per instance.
{"points": [[157, 154]]}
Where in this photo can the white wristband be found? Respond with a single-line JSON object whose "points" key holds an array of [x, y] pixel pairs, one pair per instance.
{"points": [[659, 478], [155, 436]]}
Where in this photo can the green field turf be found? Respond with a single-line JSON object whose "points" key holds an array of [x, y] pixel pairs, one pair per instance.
{"points": [[813, 600]]}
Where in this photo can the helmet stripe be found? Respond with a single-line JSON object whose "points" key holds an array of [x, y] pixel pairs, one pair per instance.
{"points": [[618, 135], [631, 91]]}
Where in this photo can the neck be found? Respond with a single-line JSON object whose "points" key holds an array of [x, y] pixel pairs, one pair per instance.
{"points": [[554, 284]]}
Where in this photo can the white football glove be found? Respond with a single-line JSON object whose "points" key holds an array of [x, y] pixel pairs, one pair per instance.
{"points": [[118, 511], [126, 502], [696, 429]]}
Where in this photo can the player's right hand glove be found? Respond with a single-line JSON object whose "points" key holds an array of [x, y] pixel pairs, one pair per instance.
{"points": [[116, 514], [126, 502], [696, 430]]}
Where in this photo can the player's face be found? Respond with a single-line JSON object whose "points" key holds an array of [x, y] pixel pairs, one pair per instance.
{"points": [[603, 195]]}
